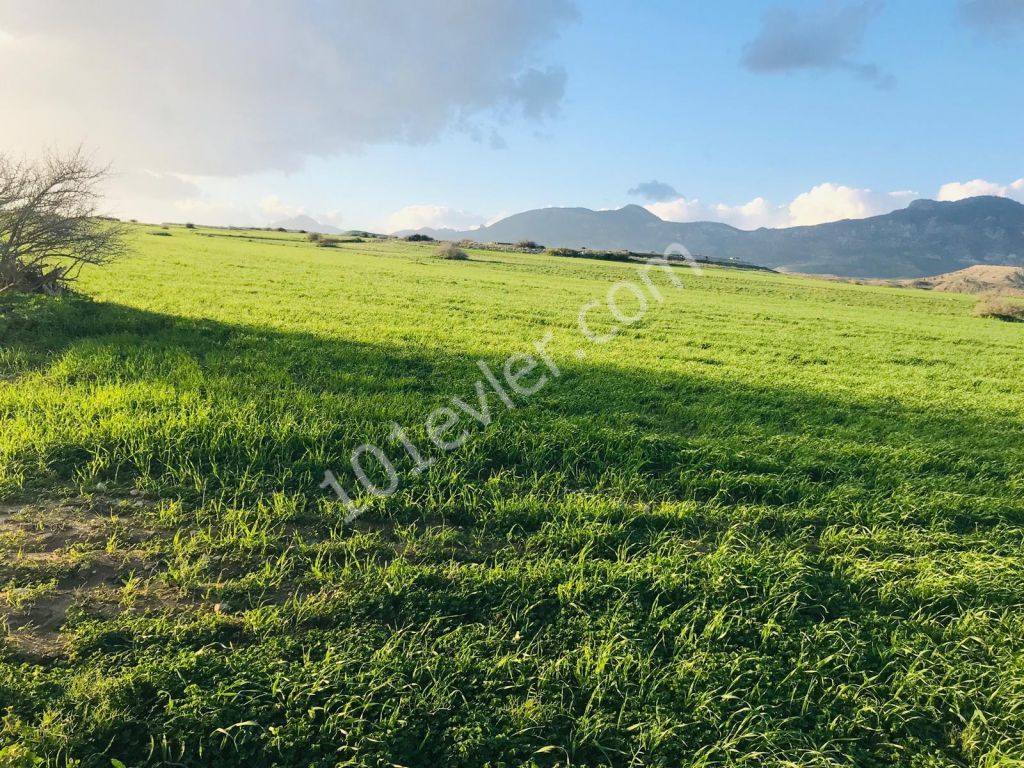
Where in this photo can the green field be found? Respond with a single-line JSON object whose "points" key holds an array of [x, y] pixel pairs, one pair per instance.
{"points": [[777, 521]]}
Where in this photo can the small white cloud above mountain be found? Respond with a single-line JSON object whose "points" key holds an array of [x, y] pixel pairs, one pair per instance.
{"points": [[834, 202], [757, 213], [958, 190]]}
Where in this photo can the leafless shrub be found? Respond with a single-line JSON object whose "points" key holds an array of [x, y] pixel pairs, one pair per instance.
{"points": [[49, 227], [450, 251]]}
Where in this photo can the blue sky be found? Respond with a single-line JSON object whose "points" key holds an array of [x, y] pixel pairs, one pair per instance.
{"points": [[742, 104]]}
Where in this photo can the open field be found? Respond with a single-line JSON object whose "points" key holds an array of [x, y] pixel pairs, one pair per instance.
{"points": [[776, 522]]}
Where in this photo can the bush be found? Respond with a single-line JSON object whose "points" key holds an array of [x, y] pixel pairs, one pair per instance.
{"points": [[999, 309], [419, 238], [529, 245], [189, 225], [49, 225], [160, 233], [327, 242], [451, 251], [313, 237]]}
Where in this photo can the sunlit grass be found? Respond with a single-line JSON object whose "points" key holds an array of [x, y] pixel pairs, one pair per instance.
{"points": [[778, 521]]}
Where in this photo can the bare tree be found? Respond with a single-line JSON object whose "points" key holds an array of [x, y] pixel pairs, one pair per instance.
{"points": [[49, 227]]}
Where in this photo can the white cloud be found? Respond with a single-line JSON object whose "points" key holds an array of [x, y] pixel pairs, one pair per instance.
{"points": [[152, 185], [757, 213], [834, 202], [957, 190], [823, 203], [433, 216], [208, 211], [680, 209], [226, 88], [273, 207]]}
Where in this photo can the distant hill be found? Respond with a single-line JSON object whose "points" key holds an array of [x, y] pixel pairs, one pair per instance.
{"points": [[308, 223], [1001, 281], [926, 238]]}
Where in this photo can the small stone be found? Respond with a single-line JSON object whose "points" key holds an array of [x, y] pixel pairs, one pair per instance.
{"points": [[134, 492], [221, 608], [101, 487]]}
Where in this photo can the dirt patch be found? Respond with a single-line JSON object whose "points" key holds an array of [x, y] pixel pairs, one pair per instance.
{"points": [[60, 557], [7, 511]]}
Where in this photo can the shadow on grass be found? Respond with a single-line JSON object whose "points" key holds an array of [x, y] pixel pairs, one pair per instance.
{"points": [[579, 635], [257, 410]]}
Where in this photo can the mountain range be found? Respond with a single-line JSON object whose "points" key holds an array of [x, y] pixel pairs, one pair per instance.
{"points": [[926, 238]]}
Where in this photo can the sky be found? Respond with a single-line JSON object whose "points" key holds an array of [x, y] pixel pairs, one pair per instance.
{"points": [[385, 115]]}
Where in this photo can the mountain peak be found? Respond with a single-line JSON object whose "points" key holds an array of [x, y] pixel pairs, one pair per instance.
{"points": [[924, 205], [927, 238], [637, 211]]}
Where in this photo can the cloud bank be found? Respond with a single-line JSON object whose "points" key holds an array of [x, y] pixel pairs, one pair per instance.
{"points": [[823, 203], [229, 88]]}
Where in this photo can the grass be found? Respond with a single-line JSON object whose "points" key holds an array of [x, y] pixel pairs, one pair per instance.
{"points": [[777, 522]]}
